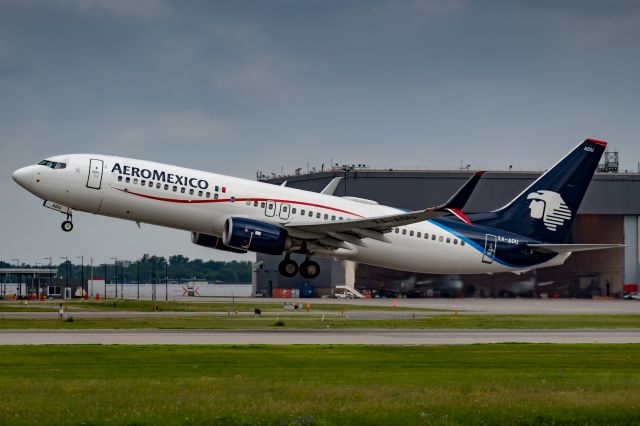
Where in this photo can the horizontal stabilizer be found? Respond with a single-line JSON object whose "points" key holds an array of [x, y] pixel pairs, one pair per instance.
{"points": [[569, 248]]}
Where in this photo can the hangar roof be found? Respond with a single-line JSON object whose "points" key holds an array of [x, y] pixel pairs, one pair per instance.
{"points": [[608, 193]]}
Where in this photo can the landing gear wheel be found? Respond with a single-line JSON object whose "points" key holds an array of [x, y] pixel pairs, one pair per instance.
{"points": [[309, 269], [67, 226], [288, 267]]}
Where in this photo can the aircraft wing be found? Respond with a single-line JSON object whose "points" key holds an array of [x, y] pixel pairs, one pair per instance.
{"points": [[336, 232], [568, 248]]}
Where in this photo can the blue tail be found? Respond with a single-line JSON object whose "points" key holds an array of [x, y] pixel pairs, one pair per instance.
{"points": [[546, 209]]}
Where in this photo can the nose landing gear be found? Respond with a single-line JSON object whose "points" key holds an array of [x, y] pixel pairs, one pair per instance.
{"points": [[67, 225]]}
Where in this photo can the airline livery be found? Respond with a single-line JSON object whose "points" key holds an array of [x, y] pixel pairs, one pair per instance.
{"points": [[239, 215]]}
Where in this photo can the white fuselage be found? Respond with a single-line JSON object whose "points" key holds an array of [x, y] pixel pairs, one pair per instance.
{"points": [[197, 201]]}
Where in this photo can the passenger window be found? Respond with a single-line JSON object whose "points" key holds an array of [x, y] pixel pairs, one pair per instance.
{"points": [[310, 213], [440, 238], [318, 215], [302, 212], [462, 242], [215, 196], [166, 187], [208, 195], [404, 232], [128, 179], [433, 237], [326, 216], [143, 182], [119, 178], [262, 204], [255, 204], [199, 193], [419, 234], [397, 230], [340, 218], [135, 181], [293, 210], [182, 190], [150, 184], [284, 209], [175, 188], [158, 185], [426, 236], [455, 241], [448, 240], [333, 218], [191, 191], [411, 233]]}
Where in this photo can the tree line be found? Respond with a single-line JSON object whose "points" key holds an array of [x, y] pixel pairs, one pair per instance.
{"points": [[151, 268]]}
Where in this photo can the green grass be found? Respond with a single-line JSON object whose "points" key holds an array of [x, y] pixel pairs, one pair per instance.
{"points": [[320, 385], [303, 321]]}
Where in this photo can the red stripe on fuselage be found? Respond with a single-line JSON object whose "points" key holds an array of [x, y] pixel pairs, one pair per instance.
{"points": [[226, 200]]}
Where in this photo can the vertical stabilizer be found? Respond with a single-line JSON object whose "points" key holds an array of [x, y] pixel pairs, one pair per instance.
{"points": [[547, 208]]}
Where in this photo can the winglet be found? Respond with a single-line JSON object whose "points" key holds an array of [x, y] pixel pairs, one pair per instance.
{"points": [[331, 187], [460, 198]]}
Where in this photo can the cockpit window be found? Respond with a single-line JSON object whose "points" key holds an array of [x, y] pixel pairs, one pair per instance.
{"points": [[53, 164]]}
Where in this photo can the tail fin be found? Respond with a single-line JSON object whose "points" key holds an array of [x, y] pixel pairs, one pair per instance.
{"points": [[546, 209]]}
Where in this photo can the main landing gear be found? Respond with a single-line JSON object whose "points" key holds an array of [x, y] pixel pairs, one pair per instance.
{"points": [[289, 268]]}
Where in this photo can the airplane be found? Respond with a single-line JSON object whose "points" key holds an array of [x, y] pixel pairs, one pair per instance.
{"points": [[240, 215]]}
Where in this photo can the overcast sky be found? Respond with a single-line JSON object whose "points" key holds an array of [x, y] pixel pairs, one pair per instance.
{"points": [[238, 86]]}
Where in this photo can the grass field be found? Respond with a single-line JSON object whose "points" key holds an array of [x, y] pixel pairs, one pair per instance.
{"points": [[320, 385], [293, 321]]}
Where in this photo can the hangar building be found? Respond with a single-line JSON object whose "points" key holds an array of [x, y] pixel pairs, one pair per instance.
{"points": [[610, 213]]}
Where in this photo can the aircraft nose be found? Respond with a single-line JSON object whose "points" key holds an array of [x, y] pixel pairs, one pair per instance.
{"points": [[24, 177]]}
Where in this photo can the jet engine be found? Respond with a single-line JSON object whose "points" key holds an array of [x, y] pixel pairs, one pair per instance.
{"points": [[211, 241], [254, 235]]}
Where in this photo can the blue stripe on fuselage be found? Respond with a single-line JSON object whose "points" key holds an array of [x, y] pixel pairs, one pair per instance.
{"points": [[511, 248], [470, 242]]}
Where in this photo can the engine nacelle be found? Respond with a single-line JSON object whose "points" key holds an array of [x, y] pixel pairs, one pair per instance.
{"points": [[254, 235], [211, 241]]}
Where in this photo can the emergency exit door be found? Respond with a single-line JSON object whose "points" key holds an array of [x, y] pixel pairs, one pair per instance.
{"points": [[94, 180]]}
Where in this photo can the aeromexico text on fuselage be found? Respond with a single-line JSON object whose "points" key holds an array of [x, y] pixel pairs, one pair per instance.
{"points": [[160, 176]]}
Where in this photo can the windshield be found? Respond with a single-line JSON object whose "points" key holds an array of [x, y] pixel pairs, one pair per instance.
{"points": [[52, 164]]}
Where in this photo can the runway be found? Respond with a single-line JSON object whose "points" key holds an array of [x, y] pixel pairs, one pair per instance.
{"points": [[315, 337]]}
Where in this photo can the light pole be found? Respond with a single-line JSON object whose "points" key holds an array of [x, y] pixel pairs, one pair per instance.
{"points": [[82, 274], [115, 263], [138, 280], [50, 277], [37, 277], [66, 273], [17, 266], [153, 280]]}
